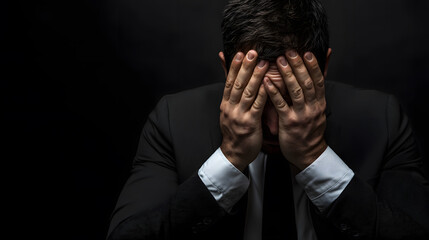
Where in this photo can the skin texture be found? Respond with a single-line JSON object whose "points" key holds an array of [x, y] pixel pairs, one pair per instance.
{"points": [[241, 109], [273, 107]]}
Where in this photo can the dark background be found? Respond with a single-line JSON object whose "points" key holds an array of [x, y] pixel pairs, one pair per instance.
{"points": [[78, 79]]}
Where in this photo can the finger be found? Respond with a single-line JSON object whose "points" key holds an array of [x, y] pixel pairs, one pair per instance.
{"points": [[293, 87], [302, 75], [276, 97], [243, 76], [251, 90], [232, 74], [259, 103], [315, 74]]}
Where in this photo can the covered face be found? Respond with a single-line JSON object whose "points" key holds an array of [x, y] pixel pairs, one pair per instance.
{"points": [[270, 121], [270, 118]]}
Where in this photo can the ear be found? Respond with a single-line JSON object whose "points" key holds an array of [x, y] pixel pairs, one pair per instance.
{"points": [[222, 59], [328, 56]]}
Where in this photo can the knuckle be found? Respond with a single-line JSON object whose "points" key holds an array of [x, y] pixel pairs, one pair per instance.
{"points": [[257, 74], [275, 93], [247, 93], [280, 103], [323, 119], [238, 85], [292, 122], [235, 68], [323, 107], [297, 92], [288, 74], [301, 70], [240, 121], [320, 82], [260, 100], [314, 68], [319, 115], [236, 122], [308, 84], [224, 117], [233, 100], [297, 63], [228, 84], [224, 108], [247, 65], [273, 90], [247, 120], [257, 105], [306, 119], [320, 109]]}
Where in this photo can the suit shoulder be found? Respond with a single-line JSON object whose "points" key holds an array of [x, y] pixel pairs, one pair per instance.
{"points": [[338, 89], [360, 100], [215, 88], [196, 98]]}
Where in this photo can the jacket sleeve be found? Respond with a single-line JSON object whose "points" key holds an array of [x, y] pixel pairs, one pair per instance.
{"points": [[397, 207], [153, 204]]}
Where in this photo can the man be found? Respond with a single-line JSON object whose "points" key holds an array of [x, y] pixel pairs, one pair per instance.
{"points": [[286, 156]]}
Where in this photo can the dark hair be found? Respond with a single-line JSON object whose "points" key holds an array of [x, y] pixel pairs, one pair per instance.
{"points": [[273, 26]]}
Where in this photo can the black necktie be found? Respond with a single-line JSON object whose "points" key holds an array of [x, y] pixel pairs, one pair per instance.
{"points": [[278, 211]]}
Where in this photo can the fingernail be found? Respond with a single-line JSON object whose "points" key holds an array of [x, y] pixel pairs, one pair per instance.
{"points": [[283, 61], [250, 55], [292, 53], [239, 57], [308, 56], [261, 64], [268, 82]]}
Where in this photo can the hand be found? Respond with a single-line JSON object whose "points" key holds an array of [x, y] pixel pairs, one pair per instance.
{"points": [[303, 122], [241, 109]]}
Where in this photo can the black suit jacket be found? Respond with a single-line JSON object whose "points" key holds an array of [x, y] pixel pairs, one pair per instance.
{"points": [[388, 198]]}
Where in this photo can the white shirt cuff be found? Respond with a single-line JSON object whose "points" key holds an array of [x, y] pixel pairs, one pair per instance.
{"points": [[325, 179], [225, 182]]}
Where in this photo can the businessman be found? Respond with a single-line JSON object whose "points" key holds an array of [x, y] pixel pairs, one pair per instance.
{"points": [[275, 152]]}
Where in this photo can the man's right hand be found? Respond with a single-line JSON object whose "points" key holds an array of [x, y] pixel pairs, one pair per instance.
{"points": [[241, 109]]}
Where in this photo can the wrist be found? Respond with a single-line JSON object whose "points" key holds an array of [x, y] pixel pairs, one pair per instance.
{"points": [[237, 163], [309, 158], [234, 159]]}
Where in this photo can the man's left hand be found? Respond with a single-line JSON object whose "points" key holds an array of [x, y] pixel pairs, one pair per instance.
{"points": [[302, 122]]}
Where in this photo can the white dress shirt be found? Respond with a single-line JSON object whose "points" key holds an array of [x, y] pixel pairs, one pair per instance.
{"points": [[321, 182]]}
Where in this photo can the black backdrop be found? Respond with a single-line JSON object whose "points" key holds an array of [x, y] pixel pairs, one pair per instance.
{"points": [[78, 79]]}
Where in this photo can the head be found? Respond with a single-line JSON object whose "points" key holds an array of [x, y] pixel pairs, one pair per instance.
{"points": [[271, 27]]}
